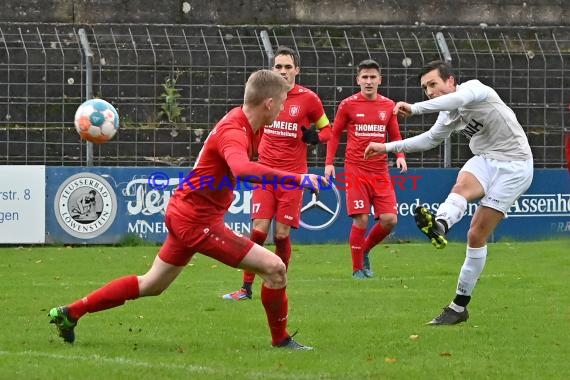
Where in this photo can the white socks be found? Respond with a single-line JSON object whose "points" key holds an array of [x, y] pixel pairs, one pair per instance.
{"points": [[452, 209], [471, 270]]}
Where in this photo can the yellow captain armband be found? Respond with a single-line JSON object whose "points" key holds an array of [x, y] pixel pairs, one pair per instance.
{"points": [[322, 122]]}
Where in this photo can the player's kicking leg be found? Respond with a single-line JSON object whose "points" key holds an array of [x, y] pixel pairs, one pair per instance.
{"points": [[429, 226]]}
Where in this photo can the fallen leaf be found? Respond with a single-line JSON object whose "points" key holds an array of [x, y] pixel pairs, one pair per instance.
{"points": [[390, 360], [414, 337], [445, 354]]}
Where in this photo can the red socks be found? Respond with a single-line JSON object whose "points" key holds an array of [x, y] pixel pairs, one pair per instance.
{"points": [[276, 307], [375, 236], [283, 249], [113, 294], [356, 241], [257, 237]]}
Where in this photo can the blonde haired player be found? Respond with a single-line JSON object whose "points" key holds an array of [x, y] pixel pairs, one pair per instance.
{"points": [[195, 218]]}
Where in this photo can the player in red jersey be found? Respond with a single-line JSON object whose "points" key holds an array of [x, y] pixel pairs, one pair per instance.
{"points": [[284, 146], [195, 213], [366, 116]]}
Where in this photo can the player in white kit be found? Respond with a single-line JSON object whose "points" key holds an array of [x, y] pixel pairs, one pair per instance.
{"points": [[500, 171]]}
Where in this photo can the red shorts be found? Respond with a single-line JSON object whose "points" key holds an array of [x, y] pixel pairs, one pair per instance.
{"points": [[277, 202], [215, 240], [364, 190]]}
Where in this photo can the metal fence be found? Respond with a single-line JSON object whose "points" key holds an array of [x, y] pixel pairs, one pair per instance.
{"points": [[42, 81]]}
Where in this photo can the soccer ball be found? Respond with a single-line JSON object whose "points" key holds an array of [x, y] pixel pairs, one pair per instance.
{"points": [[97, 121]]}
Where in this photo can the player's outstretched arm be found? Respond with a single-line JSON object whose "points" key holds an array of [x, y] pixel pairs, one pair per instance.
{"points": [[233, 147]]}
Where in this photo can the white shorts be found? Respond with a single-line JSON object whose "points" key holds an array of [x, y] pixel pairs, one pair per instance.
{"points": [[503, 181]]}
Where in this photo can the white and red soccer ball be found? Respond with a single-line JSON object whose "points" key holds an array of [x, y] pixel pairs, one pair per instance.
{"points": [[97, 121]]}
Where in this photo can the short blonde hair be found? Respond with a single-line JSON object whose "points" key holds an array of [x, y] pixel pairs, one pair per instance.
{"points": [[263, 84]]}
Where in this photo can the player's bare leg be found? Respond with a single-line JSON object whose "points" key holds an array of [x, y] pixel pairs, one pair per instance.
{"points": [[259, 231]]}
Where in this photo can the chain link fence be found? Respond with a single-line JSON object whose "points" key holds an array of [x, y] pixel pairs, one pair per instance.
{"points": [[170, 84]]}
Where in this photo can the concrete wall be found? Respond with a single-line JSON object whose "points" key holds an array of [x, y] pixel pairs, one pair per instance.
{"points": [[370, 12]]}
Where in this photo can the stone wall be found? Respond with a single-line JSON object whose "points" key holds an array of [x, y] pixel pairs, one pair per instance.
{"points": [[332, 12]]}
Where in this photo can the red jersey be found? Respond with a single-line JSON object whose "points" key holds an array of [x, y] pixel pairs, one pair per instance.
{"points": [[365, 121], [282, 146], [207, 191]]}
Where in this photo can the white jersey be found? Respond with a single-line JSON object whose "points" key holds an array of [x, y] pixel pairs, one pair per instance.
{"points": [[479, 113]]}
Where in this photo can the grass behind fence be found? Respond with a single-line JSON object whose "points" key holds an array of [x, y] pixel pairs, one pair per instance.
{"points": [[367, 329]]}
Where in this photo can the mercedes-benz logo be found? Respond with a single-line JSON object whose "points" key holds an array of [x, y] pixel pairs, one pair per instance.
{"points": [[329, 214]]}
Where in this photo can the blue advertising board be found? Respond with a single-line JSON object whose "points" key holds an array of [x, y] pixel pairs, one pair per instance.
{"points": [[105, 204]]}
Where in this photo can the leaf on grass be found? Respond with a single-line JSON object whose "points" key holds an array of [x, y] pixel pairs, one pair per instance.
{"points": [[414, 337], [390, 360], [214, 266], [445, 354]]}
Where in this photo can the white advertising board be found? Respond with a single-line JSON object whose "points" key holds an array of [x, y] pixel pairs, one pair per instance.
{"points": [[22, 204]]}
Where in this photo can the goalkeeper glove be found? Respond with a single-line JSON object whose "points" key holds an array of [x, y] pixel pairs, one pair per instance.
{"points": [[310, 135]]}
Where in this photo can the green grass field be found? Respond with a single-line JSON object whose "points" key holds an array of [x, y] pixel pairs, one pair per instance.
{"points": [[519, 326]]}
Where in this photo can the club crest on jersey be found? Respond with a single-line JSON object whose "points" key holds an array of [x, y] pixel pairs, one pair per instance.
{"points": [[294, 110], [382, 115]]}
